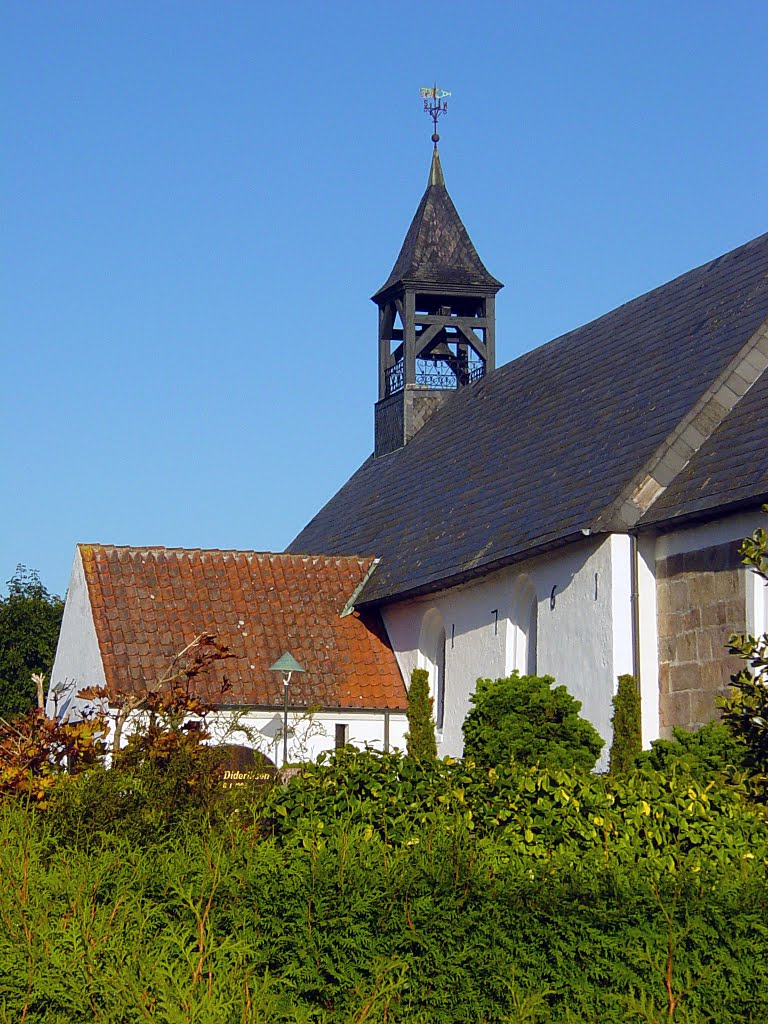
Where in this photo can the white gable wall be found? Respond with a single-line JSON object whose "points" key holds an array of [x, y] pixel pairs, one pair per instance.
{"points": [[583, 627], [78, 659]]}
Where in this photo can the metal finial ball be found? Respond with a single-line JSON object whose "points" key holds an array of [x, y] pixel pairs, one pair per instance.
{"points": [[435, 138]]}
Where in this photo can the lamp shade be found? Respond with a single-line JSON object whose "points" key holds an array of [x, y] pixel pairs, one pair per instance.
{"points": [[286, 663]]}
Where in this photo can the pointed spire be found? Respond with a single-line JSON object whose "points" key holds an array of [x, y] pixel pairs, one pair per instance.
{"points": [[436, 170], [437, 250]]}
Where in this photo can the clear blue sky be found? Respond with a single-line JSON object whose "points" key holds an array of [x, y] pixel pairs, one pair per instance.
{"points": [[199, 199]]}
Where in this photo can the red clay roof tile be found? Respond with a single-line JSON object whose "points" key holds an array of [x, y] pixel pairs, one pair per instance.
{"points": [[257, 604]]}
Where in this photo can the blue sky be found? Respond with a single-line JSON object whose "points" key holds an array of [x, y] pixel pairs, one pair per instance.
{"points": [[200, 198]]}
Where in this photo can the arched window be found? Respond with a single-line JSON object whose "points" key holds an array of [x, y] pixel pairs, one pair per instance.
{"points": [[522, 628], [432, 658]]}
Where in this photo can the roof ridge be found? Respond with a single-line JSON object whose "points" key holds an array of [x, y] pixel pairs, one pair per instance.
{"points": [[152, 548], [637, 299]]}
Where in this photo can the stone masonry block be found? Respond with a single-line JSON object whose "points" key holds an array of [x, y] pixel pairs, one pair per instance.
{"points": [[692, 619], [666, 650], [674, 709], [679, 597], [663, 678], [683, 678], [702, 590], [702, 706], [684, 646]]}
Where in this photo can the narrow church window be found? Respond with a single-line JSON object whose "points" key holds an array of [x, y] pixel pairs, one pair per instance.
{"points": [[522, 628], [440, 682], [342, 735], [432, 651], [532, 644]]}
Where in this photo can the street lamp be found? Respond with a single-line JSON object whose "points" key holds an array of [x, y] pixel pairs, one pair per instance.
{"points": [[286, 664]]}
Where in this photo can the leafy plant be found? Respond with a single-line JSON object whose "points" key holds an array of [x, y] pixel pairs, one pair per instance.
{"points": [[745, 711], [627, 740], [35, 750], [530, 721]]}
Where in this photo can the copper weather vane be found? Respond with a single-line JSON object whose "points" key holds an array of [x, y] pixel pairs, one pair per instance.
{"points": [[435, 104]]}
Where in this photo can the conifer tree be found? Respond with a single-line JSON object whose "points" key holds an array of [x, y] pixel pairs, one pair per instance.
{"points": [[627, 737], [420, 737]]}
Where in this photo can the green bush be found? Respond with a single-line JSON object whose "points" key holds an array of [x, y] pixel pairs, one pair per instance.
{"points": [[627, 741], [421, 725], [704, 753], [526, 719], [677, 822]]}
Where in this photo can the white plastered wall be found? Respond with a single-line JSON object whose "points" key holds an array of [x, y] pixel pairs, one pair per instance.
{"points": [[309, 735], [707, 535], [583, 626], [648, 640], [78, 659]]}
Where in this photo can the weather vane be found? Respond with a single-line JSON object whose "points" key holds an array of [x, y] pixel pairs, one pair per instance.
{"points": [[435, 104]]}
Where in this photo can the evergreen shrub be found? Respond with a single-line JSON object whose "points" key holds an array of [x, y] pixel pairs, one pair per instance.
{"points": [[627, 741], [420, 737], [705, 753], [528, 720], [446, 927]]}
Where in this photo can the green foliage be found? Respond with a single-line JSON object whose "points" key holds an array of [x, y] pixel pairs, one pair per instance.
{"points": [[526, 719], [704, 753], [676, 823], [30, 619], [745, 711], [421, 725], [627, 741], [214, 924]]}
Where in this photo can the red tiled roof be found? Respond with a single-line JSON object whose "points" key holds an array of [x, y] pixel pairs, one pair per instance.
{"points": [[148, 603]]}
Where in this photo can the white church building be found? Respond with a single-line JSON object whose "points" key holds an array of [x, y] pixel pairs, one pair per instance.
{"points": [[574, 513]]}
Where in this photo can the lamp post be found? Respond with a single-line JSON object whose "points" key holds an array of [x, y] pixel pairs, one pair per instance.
{"points": [[286, 664]]}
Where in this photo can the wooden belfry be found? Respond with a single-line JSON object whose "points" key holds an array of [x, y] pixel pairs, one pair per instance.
{"points": [[436, 311]]}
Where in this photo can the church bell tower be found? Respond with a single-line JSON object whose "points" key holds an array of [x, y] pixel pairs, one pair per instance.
{"points": [[436, 312]]}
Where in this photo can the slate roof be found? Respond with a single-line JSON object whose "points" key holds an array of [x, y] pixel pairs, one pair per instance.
{"points": [[437, 251], [148, 603], [532, 454], [729, 470]]}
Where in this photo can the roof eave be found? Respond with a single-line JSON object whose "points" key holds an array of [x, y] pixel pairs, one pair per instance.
{"points": [[463, 576], [424, 284], [696, 516]]}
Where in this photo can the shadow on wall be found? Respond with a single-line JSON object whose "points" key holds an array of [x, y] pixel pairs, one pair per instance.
{"points": [[432, 658], [523, 623]]}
